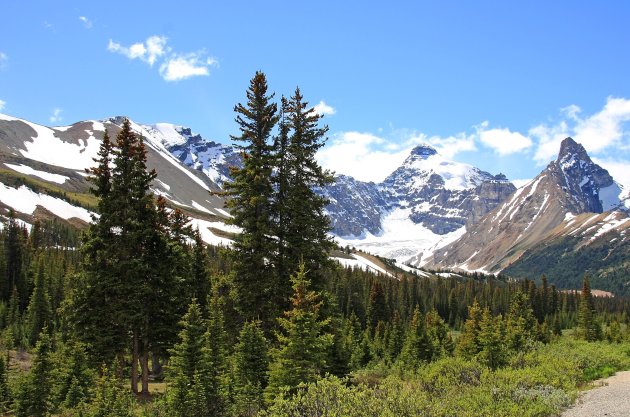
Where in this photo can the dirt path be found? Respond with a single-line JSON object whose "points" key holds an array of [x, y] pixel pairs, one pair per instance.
{"points": [[611, 399]]}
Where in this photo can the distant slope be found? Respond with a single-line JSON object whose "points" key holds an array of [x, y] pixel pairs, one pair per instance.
{"points": [[569, 186], [593, 244]]}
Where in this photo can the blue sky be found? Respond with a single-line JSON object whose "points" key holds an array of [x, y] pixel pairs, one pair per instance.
{"points": [[493, 83]]}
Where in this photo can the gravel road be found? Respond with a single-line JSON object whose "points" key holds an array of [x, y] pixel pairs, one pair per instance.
{"points": [[611, 399]]}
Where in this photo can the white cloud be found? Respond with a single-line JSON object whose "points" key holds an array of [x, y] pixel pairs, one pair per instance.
{"points": [[56, 116], [180, 67], [2, 104], [174, 66], [149, 51], [368, 157], [4, 58], [503, 141], [599, 132], [324, 109], [87, 23], [361, 156]]}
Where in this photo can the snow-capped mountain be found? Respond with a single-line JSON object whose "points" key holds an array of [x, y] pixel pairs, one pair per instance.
{"points": [[42, 171], [547, 206]]}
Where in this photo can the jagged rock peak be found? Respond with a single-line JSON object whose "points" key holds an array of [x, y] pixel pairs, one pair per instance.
{"points": [[424, 151], [570, 148]]}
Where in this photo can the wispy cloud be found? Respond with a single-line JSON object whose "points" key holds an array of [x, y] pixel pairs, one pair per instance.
{"points": [[87, 23], [2, 104], [598, 132], [175, 66], [56, 115], [148, 51], [4, 58], [324, 109], [180, 67]]}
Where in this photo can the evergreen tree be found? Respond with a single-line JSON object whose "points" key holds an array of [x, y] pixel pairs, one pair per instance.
{"points": [[439, 335], [33, 398], [251, 364], [250, 193], [520, 323], [131, 262], [38, 313], [418, 348], [303, 344], [588, 327], [468, 342], [377, 308], [110, 398], [5, 395], [216, 383], [490, 340], [304, 224], [188, 360]]}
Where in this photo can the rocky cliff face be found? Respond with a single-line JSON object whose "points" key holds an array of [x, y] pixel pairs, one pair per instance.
{"points": [[569, 186], [441, 195]]}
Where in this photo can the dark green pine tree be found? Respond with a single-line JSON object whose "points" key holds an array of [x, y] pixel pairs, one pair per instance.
{"points": [[304, 225], [38, 312], [251, 363], [200, 271], [588, 327], [94, 310], [417, 348], [33, 398], [15, 253], [214, 386], [302, 343], [250, 193], [377, 307], [188, 358]]}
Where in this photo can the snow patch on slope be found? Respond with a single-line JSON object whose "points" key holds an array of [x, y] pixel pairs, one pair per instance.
{"points": [[25, 169], [401, 238], [25, 200]]}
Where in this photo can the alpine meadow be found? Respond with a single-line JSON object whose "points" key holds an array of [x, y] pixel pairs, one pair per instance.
{"points": [[322, 257]]}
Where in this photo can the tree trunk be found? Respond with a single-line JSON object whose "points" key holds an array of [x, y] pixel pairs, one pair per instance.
{"points": [[134, 363], [145, 362]]}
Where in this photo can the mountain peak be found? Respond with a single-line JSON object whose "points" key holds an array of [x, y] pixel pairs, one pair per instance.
{"points": [[424, 151], [570, 147]]}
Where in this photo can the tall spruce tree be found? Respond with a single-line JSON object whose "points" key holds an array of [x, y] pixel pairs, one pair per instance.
{"points": [[588, 327], [303, 343], [128, 275], [304, 226], [250, 194]]}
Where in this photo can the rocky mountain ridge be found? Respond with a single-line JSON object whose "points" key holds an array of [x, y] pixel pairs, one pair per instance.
{"points": [[570, 186]]}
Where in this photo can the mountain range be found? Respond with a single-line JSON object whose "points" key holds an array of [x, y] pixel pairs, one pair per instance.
{"points": [[430, 212]]}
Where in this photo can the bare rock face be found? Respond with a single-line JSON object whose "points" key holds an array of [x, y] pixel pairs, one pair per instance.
{"points": [[355, 207], [211, 158], [569, 186]]}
